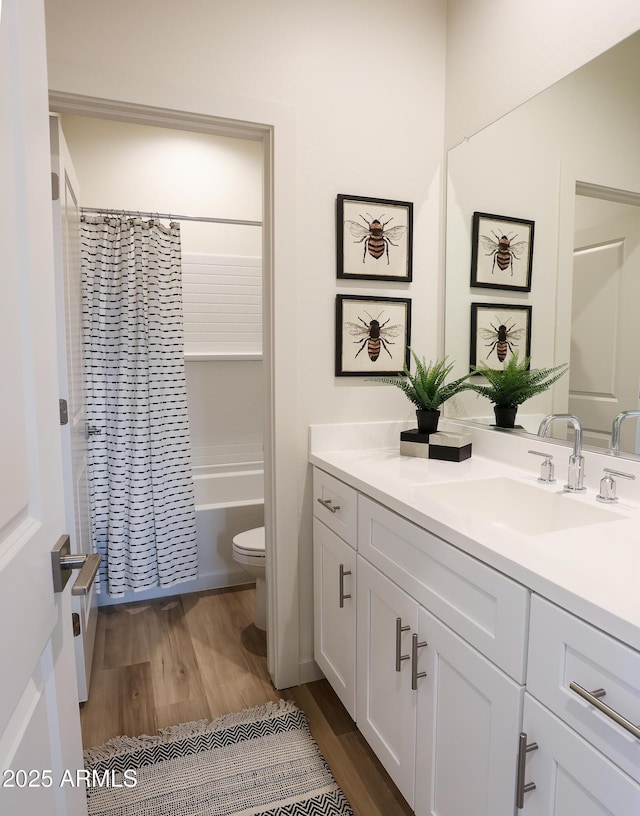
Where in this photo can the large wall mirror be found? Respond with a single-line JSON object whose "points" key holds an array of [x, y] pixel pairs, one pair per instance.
{"points": [[569, 161]]}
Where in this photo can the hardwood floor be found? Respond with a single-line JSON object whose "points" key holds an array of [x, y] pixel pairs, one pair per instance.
{"points": [[198, 656]]}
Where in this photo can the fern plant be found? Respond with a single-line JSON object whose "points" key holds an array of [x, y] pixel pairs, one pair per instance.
{"points": [[427, 389], [516, 382]]}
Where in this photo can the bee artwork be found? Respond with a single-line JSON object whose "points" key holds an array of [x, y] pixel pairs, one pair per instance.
{"points": [[377, 335], [372, 334], [374, 238], [502, 252], [498, 331], [502, 338]]}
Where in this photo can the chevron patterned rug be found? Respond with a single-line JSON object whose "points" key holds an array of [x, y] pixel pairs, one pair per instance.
{"points": [[260, 762]]}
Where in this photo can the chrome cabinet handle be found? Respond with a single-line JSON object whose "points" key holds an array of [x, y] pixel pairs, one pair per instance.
{"points": [[415, 674], [399, 656], [343, 597], [63, 562], [592, 698], [521, 786], [327, 503]]}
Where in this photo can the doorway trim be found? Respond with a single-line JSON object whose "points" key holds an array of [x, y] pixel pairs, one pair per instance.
{"points": [[273, 125]]}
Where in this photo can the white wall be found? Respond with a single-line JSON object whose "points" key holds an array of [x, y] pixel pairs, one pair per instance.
{"points": [[502, 52]]}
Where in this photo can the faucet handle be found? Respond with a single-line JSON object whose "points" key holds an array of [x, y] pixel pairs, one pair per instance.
{"points": [[547, 473], [607, 492]]}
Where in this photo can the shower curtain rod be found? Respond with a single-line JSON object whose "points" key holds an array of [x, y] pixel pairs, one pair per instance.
{"points": [[171, 216]]}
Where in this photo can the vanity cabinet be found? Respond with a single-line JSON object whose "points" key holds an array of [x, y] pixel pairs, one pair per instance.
{"points": [[334, 583], [453, 668]]}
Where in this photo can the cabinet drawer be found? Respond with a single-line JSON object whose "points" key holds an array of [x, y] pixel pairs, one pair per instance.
{"points": [[564, 649], [486, 608], [336, 504]]}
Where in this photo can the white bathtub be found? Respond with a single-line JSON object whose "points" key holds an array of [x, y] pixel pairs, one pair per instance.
{"points": [[228, 499], [231, 486]]}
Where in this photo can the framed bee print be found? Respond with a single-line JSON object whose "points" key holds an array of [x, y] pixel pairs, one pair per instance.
{"points": [[374, 238], [501, 252], [372, 335], [498, 330]]}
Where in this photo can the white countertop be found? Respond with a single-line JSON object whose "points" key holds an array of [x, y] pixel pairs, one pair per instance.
{"points": [[591, 570]]}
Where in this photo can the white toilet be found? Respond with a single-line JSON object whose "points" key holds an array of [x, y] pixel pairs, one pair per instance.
{"points": [[248, 550]]}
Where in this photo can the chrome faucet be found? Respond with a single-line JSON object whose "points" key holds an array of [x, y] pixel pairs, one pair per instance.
{"points": [[615, 429], [575, 478]]}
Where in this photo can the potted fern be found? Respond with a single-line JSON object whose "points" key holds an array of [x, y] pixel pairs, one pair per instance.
{"points": [[512, 385], [427, 389]]}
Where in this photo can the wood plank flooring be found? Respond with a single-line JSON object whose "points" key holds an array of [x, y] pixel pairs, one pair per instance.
{"points": [[198, 656]]}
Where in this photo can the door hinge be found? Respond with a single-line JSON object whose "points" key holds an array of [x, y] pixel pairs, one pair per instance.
{"points": [[75, 619], [55, 186], [64, 412]]}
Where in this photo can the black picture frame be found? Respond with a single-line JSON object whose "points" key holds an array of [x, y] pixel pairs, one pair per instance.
{"points": [[487, 340], [374, 238], [357, 340], [501, 252]]}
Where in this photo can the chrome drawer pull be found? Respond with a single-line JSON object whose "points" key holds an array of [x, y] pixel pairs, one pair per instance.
{"points": [[327, 503], [399, 656], [343, 597], [521, 786], [592, 697], [415, 674]]}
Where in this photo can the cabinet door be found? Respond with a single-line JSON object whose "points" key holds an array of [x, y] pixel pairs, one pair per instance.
{"points": [[334, 579], [469, 715], [571, 777], [386, 705]]}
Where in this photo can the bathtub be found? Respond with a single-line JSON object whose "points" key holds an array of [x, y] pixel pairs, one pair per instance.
{"points": [[229, 499]]}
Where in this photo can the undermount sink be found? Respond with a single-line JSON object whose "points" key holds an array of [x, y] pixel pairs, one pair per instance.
{"points": [[516, 505]]}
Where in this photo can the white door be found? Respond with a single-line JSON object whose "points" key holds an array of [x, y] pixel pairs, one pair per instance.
{"points": [[385, 703], [334, 587], [73, 423], [571, 778], [39, 719], [604, 376], [469, 715]]}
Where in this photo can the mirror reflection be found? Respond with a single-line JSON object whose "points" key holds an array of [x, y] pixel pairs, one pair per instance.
{"points": [[566, 160]]}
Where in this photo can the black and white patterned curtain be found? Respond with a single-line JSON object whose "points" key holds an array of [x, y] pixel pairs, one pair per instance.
{"points": [[140, 479]]}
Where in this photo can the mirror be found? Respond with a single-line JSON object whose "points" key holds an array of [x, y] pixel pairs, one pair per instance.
{"points": [[566, 160]]}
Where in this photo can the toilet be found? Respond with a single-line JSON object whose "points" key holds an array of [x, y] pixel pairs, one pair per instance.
{"points": [[248, 550]]}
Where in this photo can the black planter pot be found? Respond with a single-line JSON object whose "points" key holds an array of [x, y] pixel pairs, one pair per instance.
{"points": [[427, 421], [505, 417]]}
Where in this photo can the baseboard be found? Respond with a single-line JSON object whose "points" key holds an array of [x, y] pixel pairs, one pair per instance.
{"points": [[310, 671]]}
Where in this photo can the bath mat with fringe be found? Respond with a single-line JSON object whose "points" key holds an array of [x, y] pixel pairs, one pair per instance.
{"points": [[260, 762]]}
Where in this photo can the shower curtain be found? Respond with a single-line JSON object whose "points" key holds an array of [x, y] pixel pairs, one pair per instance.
{"points": [[140, 480]]}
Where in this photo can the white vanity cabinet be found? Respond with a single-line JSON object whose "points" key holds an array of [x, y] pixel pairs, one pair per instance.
{"points": [[334, 581]]}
